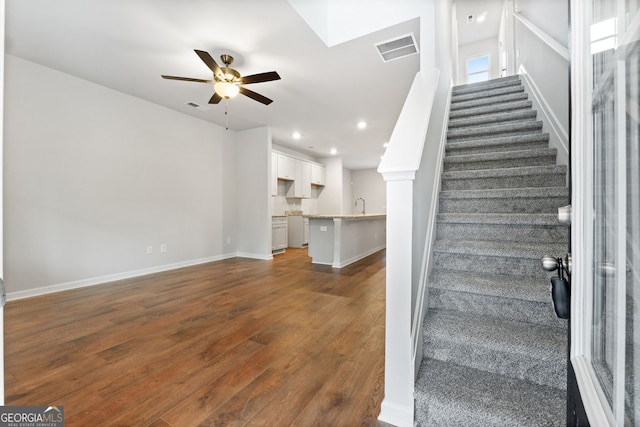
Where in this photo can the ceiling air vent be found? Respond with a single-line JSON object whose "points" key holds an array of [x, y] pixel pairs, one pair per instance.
{"points": [[397, 48], [197, 106]]}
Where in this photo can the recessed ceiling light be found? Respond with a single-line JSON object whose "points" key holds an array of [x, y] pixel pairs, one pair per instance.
{"points": [[334, 151], [385, 145], [362, 124], [296, 135]]}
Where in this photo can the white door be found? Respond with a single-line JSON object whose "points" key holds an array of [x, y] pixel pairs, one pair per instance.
{"points": [[605, 328]]}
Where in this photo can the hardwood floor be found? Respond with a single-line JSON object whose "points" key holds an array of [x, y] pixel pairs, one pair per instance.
{"points": [[238, 342]]}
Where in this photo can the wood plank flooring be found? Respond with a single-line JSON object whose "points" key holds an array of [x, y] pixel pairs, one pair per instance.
{"points": [[237, 342]]}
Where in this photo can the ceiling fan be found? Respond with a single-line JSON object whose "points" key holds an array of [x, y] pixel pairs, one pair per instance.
{"points": [[227, 81]]}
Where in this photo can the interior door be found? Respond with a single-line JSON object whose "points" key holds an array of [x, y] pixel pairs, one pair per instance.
{"points": [[605, 326]]}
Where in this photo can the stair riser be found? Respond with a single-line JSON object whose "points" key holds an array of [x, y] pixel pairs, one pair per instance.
{"points": [[468, 113], [544, 372], [502, 205], [549, 180], [539, 313], [527, 267], [502, 232], [488, 93], [496, 119], [492, 148], [488, 101], [450, 395], [500, 163]]}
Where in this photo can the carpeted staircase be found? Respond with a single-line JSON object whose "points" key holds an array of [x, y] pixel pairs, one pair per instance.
{"points": [[494, 351]]}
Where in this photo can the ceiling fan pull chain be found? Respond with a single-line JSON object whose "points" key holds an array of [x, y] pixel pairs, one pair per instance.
{"points": [[226, 114]]}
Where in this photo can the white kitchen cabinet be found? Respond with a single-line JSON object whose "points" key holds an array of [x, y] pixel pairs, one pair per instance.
{"points": [[286, 169], [298, 231], [279, 235], [305, 231], [274, 174], [317, 174], [301, 188]]}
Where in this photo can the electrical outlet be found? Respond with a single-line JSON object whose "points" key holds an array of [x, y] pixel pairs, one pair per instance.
{"points": [[149, 250], [323, 228], [163, 248]]}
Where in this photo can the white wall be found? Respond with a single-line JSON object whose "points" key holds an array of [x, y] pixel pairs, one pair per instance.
{"points": [[547, 80], [330, 199], [253, 200], [347, 199], [474, 50], [368, 184], [94, 176]]}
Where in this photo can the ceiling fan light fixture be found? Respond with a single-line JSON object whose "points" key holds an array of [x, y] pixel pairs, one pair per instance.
{"points": [[226, 90]]}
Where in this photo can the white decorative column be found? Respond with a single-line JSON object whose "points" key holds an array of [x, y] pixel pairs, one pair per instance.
{"points": [[397, 406]]}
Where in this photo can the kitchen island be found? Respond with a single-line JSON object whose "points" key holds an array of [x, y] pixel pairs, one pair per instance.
{"points": [[339, 240]]}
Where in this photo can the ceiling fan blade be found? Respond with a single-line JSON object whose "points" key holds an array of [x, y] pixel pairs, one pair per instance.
{"points": [[186, 79], [259, 78], [211, 63], [215, 98], [256, 96]]}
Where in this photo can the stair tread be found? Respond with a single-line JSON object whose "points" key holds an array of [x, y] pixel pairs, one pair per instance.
{"points": [[500, 128], [472, 112], [502, 172], [497, 141], [520, 96], [506, 193], [452, 395], [493, 118], [501, 155], [542, 342], [500, 218], [474, 87], [498, 285], [534, 251], [488, 92]]}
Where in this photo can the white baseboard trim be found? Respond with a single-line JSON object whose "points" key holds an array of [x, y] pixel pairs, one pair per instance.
{"points": [[13, 296], [254, 256], [337, 264], [396, 414], [559, 137]]}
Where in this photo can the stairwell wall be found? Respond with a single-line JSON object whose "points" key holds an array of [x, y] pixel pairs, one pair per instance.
{"points": [[542, 31]]}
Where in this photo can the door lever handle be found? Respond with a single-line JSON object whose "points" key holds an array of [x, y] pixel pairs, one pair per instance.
{"points": [[564, 214], [560, 287]]}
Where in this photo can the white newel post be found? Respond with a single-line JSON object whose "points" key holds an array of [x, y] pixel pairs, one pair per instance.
{"points": [[397, 406]]}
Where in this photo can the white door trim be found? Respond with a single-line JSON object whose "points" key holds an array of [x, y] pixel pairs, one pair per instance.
{"points": [[597, 409]]}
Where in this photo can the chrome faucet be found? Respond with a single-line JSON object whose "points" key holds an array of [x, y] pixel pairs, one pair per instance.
{"points": [[363, 203]]}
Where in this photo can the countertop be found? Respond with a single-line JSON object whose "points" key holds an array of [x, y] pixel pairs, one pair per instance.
{"points": [[352, 216]]}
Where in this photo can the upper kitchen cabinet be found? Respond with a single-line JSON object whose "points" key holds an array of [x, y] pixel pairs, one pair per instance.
{"points": [[286, 169], [317, 174], [301, 187]]}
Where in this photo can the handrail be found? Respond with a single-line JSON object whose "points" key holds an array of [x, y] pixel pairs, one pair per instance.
{"points": [[404, 152], [542, 35]]}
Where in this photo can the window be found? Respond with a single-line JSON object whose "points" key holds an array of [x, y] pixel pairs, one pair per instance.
{"points": [[478, 69]]}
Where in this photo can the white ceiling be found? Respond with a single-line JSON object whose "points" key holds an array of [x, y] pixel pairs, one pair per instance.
{"points": [[126, 45]]}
